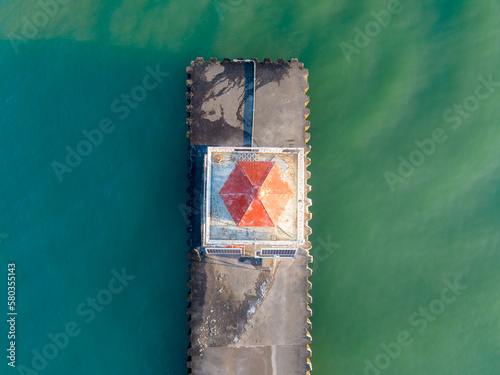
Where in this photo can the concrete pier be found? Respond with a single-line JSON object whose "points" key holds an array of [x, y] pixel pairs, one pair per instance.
{"points": [[248, 312]]}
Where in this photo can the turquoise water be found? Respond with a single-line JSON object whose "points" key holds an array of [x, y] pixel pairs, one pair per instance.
{"points": [[387, 243]]}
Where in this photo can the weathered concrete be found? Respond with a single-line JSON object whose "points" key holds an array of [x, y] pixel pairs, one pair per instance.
{"points": [[217, 104], [246, 319]]}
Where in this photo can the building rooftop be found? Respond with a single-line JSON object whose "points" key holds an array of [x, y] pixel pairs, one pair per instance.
{"points": [[254, 196]]}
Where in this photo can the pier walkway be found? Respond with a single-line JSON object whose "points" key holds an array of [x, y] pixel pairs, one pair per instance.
{"points": [[248, 313]]}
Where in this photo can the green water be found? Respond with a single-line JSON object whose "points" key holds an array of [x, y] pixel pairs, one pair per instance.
{"points": [[383, 250]]}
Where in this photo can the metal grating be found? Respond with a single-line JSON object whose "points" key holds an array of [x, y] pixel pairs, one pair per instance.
{"points": [[248, 156], [224, 251], [279, 253]]}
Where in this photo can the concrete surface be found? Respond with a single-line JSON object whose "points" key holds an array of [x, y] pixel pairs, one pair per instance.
{"points": [[246, 319]]}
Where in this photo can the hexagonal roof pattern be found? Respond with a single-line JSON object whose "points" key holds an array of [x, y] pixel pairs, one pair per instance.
{"points": [[255, 193]]}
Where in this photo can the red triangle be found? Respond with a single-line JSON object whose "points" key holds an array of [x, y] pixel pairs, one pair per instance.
{"points": [[236, 183], [256, 171], [256, 216], [236, 204]]}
